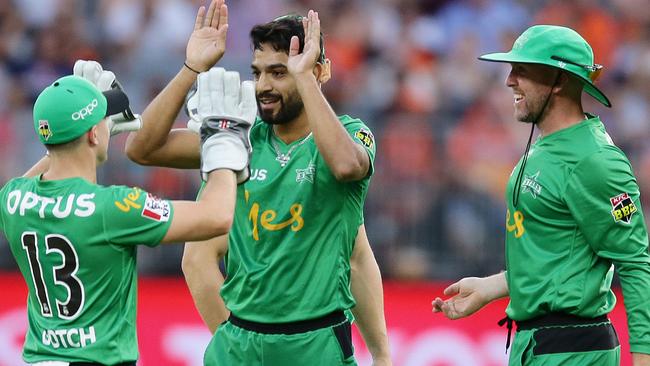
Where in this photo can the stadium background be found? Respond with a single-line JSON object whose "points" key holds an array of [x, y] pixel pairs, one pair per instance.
{"points": [[442, 120]]}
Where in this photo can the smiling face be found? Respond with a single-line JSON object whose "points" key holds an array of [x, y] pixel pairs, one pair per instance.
{"points": [[278, 100], [532, 86]]}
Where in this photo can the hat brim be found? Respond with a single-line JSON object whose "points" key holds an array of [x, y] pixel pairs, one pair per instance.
{"points": [[116, 102], [510, 57]]}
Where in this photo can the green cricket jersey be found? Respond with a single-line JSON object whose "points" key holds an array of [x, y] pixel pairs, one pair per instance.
{"points": [[294, 230], [578, 214], [75, 244]]}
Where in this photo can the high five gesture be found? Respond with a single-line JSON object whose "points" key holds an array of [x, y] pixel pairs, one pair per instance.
{"points": [[207, 43], [300, 63]]}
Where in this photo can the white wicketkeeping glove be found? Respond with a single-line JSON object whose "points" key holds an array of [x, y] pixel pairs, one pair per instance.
{"points": [[227, 110], [192, 111], [105, 80]]}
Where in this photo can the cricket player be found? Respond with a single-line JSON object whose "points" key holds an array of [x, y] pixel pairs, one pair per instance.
{"points": [[573, 216], [293, 269], [75, 241]]}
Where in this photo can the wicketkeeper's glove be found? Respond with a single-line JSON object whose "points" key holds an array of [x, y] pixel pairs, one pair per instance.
{"points": [[192, 111], [227, 110], [105, 80]]}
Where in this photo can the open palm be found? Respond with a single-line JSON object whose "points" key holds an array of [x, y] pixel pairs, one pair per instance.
{"points": [[304, 62], [207, 43]]}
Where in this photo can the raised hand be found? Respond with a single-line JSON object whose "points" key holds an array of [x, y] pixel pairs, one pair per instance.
{"points": [[304, 62], [207, 43]]}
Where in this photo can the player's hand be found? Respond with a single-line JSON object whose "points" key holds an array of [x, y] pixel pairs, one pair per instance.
{"points": [[207, 42], [95, 73], [105, 80], [466, 297], [227, 110], [300, 63]]}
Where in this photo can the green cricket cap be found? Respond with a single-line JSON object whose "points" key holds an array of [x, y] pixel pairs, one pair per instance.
{"points": [[559, 47], [70, 106]]}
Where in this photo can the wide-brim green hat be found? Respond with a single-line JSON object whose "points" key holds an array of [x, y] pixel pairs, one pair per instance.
{"points": [[559, 47], [70, 106]]}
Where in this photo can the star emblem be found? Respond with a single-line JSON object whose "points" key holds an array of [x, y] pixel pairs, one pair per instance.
{"points": [[306, 175], [531, 185]]}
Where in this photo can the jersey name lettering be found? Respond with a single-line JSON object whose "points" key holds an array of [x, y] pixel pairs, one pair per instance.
{"points": [[61, 207], [258, 174], [69, 338]]}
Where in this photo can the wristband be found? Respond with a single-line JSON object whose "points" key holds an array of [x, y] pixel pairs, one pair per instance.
{"points": [[191, 69]]}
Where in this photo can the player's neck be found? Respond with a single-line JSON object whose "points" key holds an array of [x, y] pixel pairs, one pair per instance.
{"points": [[561, 117], [70, 165], [293, 130]]}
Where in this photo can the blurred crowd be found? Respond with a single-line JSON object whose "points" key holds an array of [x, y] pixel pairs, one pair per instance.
{"points": [[443, 121]]}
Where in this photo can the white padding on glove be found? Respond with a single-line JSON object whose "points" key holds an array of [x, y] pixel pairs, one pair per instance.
{"points": [[227, 110], [93, 72], [105, 80]]}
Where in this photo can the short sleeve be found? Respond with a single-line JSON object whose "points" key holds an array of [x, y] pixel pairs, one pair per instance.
{"points": [[133, 216], [362, 135]]}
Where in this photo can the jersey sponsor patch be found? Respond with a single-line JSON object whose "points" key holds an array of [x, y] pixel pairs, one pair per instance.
{"points": [[365, 137], [156, 208], [622, 208]]}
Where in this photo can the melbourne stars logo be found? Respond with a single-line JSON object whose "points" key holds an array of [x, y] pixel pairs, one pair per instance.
{"points": [[306, 175], [531, 185]]}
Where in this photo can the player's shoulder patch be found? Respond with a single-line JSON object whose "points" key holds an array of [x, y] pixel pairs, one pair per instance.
{"points": [[156, 208], [622, 208], [365, 137]]}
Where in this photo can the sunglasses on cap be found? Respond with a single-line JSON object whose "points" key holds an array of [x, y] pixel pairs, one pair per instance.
{"points": [[594, 70]]}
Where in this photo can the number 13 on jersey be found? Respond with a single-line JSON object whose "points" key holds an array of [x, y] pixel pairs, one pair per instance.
{"points": [[64, 275]]}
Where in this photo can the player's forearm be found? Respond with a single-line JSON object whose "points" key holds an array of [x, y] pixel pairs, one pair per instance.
{"points": [[342, 155], [369, 312], [158, 118], [39, 168], [496, 286], [640, 359], [204, 280]]}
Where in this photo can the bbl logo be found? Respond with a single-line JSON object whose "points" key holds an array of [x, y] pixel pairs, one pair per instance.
{"points": [[622, 208], [44, 129], [365, 137]]}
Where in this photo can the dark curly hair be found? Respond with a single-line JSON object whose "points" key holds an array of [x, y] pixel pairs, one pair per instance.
{"points": [[278, 33]]}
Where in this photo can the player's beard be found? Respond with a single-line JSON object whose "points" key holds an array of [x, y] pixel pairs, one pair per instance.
{"points": [[290, 108], [531, 111]]}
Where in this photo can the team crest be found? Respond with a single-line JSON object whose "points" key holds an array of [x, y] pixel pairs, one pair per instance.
{"points": [[365, 137], [531, 185], [44, 129], [622, 208], [156, 208], [306, 175]]}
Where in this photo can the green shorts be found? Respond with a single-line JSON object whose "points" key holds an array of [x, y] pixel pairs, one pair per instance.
{"points": [[233, 345], [585, 344]]}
